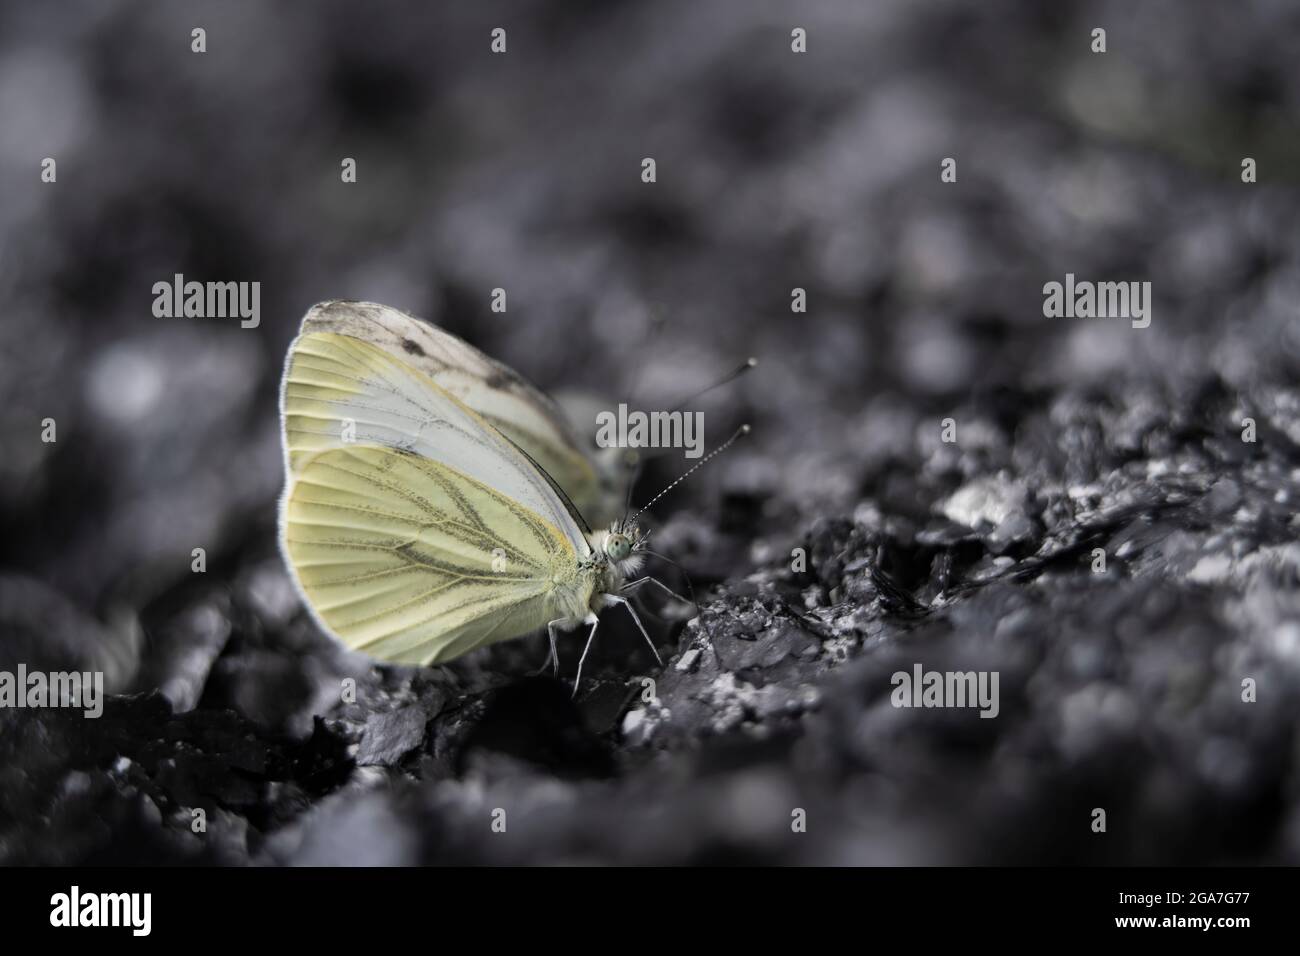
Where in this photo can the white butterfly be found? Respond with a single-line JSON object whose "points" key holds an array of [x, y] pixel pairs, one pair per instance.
{"points": [[425, 511]]}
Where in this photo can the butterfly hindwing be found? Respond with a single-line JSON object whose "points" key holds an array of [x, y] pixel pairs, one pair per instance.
{"points": [[408, 559]]}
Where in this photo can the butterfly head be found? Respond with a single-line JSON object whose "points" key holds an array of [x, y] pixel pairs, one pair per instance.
{"points": [[622, 544]]}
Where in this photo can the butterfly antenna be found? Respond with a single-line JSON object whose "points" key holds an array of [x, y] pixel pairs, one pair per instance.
{"points": [[631, 488], [731, 376], [742, 430], [637, 465]]}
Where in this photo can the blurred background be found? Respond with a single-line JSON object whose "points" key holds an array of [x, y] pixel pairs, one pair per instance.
{"points": [[775, 170]]}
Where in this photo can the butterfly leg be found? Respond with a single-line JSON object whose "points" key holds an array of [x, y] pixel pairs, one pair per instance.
{"points": [[640, 582], [554, 657], [595, 622], [641, 627]]}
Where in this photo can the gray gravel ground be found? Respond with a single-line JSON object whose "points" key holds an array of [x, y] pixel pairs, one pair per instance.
{"points": [[1120, 689]]}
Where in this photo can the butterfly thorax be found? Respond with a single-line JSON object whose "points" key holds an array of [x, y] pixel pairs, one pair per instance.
{"points": [[576, 587]]}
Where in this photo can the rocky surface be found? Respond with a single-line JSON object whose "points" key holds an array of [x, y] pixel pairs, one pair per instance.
{"points": [[843, 542]]}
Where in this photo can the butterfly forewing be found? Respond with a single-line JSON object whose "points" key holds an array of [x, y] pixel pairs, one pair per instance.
{"points": [[340, 391], [505, 399]]}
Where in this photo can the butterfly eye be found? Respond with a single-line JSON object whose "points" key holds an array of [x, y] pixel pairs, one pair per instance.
{"points": [[617, 547]]}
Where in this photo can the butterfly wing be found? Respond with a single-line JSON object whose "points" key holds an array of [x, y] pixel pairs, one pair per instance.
{"points": [[415, 530], [408, 559], [496, 392]]}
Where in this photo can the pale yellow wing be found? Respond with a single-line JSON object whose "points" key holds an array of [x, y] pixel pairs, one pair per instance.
{"points": [[411, 560], [496, 392]]}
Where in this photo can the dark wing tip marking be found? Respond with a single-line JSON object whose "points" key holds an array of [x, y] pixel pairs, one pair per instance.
{"points": [[500, 379]]}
